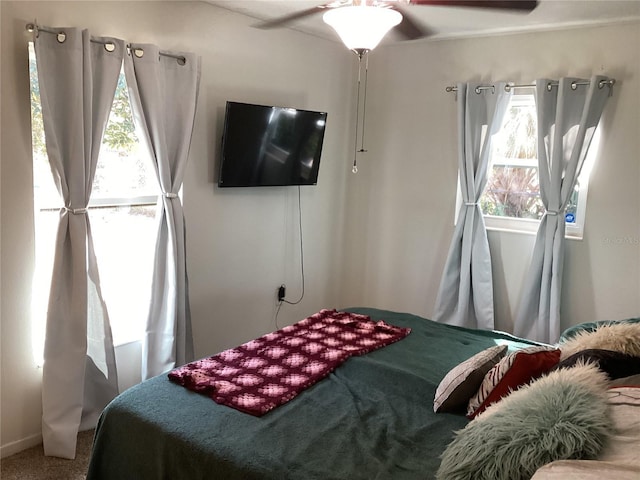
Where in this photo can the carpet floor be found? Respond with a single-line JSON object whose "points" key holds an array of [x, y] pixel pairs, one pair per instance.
{"points": [[31, 464]]}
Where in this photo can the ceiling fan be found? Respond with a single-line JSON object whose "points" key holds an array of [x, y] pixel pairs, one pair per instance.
{"points": [[361, 24]]}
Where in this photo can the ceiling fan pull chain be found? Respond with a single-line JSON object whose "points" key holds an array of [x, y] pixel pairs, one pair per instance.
{"points": [[364, 100], [354, 169]]}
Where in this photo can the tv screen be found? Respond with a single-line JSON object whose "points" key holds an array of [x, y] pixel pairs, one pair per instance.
{"points": [[270, 146]]}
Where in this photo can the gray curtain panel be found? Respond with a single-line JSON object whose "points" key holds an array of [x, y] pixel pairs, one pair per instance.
{"points": [[77, 78], [568, 114], [164, 93], [465, 296]]}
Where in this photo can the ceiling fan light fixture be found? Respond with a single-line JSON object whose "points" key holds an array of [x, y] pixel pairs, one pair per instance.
{"points": [[362, 27]]}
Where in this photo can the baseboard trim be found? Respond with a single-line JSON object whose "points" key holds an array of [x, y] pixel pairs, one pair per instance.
{"points": [[20, 445]]}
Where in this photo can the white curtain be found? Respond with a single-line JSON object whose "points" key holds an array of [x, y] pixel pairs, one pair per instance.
{"points": [[568, 114], [164, 92], [77, 79], [465, 297]]}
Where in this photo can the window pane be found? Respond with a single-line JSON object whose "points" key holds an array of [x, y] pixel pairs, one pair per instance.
{"points": [[512, 187], [45, 191], [513, 192], [124, 169], [571, 213], [124, 240], [46, 226], [511, 199], [516, 141]]}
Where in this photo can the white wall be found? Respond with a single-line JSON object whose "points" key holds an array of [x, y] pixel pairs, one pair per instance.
{"points": [[241, 243], [401, 206]]}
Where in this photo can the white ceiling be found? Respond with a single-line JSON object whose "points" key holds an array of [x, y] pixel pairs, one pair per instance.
{"points": [[448, 22]]}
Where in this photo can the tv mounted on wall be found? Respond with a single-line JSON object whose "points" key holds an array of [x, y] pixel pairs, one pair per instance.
{"points": [[270, 146]]}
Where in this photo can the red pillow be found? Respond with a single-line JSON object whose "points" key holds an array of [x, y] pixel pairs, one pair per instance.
{"points": [[516, 369]]}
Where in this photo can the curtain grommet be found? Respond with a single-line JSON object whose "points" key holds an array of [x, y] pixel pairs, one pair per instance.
{"points": [[609, 83], [61, 37], [110, 47], [33, 28], [138, 52]]}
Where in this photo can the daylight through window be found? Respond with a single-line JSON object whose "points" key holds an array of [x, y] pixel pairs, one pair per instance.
{"points": [[122, 214], [511, 199]]}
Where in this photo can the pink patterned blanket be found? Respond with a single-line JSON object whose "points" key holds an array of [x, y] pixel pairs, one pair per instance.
{"points": [[262, 374]]}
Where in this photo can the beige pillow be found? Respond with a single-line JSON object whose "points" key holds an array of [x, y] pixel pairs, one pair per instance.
{"points": [[619, 337]]}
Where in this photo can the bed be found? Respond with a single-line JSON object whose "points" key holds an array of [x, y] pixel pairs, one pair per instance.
{"points": [[620, 459], [371, 418]]}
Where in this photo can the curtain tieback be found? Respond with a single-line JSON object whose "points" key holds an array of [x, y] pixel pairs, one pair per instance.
{"points": [[169, 195], [469, 204], [553, 212], [76, 211]]}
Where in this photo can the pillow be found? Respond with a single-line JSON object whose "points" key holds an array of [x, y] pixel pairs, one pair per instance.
{"points": [[621, 337], [563, 415], [459, 385], [591, 326], [511, 372], [614, 364]]}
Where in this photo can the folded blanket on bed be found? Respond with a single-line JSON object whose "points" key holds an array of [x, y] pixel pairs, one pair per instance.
{"points": [[262, 374]]}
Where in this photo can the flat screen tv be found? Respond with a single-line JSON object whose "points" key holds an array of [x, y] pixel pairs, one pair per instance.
{"points": [[270, 146]]}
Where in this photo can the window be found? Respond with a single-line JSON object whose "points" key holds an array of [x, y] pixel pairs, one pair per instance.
{"points": [[122, 213], [511, 200]]}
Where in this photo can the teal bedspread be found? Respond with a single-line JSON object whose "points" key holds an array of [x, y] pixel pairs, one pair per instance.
{"points": [[372, 418]]}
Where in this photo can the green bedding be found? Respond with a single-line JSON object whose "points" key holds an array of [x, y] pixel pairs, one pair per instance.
{"points": [[372, 418]]}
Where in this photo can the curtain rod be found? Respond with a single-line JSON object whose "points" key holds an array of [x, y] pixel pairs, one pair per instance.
{"points": [[509, 86], [109, 46]]}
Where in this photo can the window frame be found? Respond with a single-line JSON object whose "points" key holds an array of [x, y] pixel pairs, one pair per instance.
{"points": [[573, 230]]}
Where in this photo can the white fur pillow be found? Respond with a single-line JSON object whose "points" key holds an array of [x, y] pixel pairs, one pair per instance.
{"points": [[619, 337]]}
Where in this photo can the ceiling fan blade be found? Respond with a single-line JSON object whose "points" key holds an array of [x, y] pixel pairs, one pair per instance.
{"points": [[280, 21], [522, 5], [409, 27]]}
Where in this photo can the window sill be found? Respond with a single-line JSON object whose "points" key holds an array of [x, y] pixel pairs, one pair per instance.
{"points": [[123, 342], [526, 226]]}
